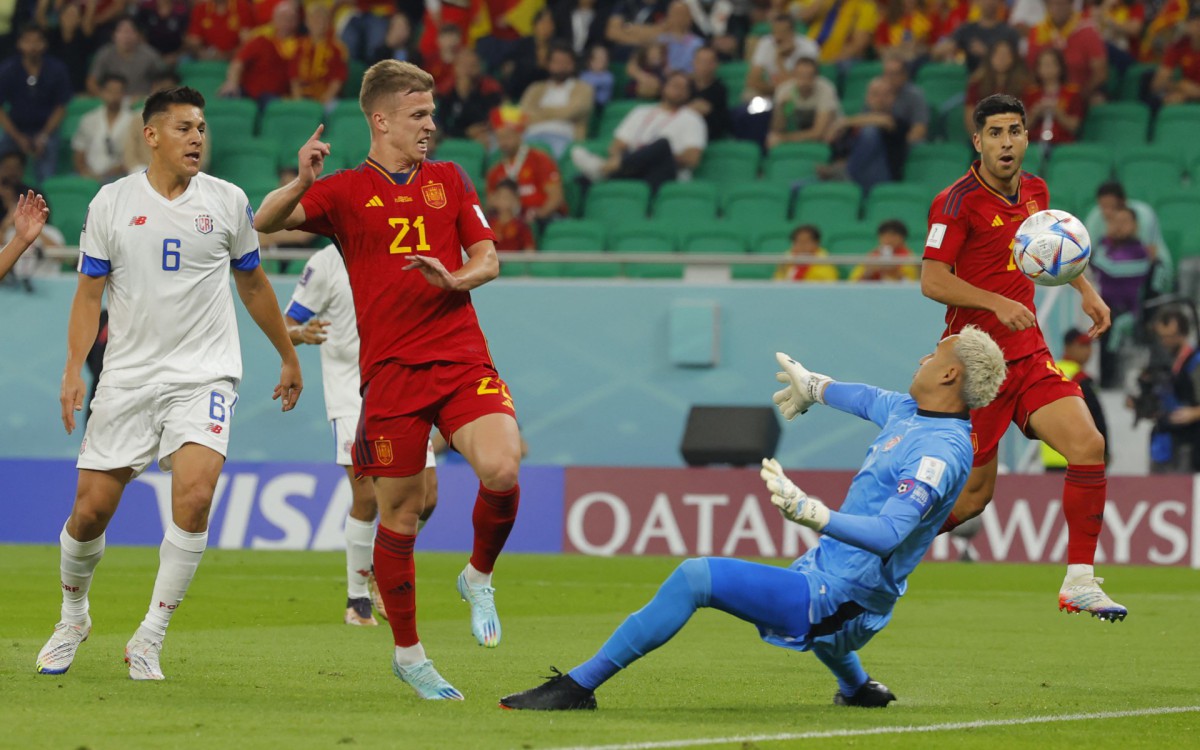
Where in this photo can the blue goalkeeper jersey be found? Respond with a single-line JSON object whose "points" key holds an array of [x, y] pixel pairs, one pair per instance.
{"points": [[897, 502]]}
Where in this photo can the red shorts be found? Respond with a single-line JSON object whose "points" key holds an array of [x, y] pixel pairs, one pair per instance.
{"points": [[402, 403], [1032, 382]]}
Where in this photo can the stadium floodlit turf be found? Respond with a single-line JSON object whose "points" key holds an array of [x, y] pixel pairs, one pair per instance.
{"points": [[258, 657]]}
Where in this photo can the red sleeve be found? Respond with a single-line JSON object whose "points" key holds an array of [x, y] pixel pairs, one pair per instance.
{"points": [[550, 171], [947, 227], [883, 37], [248, 50], [320, 207], [494, 175], [471, 225], [1172, 55], [1094, 43], [337, 66]]}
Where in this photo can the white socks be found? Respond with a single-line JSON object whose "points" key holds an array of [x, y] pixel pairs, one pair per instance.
{"points": [[407, 656], [360, 545], [77, 562], [1078, 571], [178, 558], [475, 578]]}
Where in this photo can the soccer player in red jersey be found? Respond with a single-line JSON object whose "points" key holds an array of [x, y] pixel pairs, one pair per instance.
{"points": [[968, 266], [402, 223]]}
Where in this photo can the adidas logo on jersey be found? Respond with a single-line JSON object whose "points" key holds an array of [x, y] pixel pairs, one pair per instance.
{"points": [[997, 221], [375, 202]]}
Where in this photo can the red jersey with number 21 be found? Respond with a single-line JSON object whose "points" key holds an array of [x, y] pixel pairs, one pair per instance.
{"points": [[379, 220], [971, 228]]}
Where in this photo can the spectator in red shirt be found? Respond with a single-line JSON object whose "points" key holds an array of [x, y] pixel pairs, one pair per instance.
{"points": [[318, 69], [260, 69], [504, 214], [216, 28], [906, 28], [1053, 107], [534, 172], [1001, 72], [1182, 57], [1081, 45]]}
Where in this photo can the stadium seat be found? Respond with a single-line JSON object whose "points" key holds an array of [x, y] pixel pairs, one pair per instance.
{"points": [[68, 197], [733, 74], [347, 134], [935, 166], [206, 76], [354, 75], [1134, 82], [686, 202], [611, 118], [828, 202], [81, 105], [766, 239], [574, 236], [617, 201], [226, 125], [1116, 123], [729, 162], [1075, 170], [464, 152], [857, 79], [252, 160], [942, 83], [1149, 173], [1177, 127], [755, 203], [795, 161], [712, 237], [857, 241], [289, 123], [953, 128], [572, 188], [908, 203], [646, 237]]}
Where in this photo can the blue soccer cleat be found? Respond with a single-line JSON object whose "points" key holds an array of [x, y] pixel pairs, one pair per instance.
{"points": [[485, 623], [423, 678], [1085, 595]]}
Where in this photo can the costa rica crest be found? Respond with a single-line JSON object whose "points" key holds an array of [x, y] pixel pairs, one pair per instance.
{"points": [[204, 224], [434, 195]]}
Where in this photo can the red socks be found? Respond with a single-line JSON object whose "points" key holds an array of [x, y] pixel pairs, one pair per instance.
{"points": [[493, 519], [1083, 504], [396, 575], [950, 524]]}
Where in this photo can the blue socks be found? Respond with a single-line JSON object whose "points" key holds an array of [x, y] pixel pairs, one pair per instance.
{"points": [[846, 668]]}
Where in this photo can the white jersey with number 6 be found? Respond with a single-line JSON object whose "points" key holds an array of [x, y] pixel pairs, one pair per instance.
{"points": [[324, 293], [171, 317]]}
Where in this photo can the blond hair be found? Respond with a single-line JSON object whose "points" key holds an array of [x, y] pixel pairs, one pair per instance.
{"points": [[984, 368], [391, 77]]}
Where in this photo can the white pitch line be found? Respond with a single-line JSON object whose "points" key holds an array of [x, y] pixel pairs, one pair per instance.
{"points": [[889, 730]]}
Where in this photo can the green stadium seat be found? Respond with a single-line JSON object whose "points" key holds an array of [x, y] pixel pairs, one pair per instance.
{"points": [[617, 201], [908, 203], [953, 128], [574, 236], [239, 107], [713, 237], [612, 116], [206, 76], [229, 153], [752, 204], [354, 75], [256, 189], [646, 237], [572, 189], [289, 123], [81, 105], [828, 203], [1149, 173], [857, 79], [856, 241], [1177, 127], [795, 161], [464, 152], [1134, 81], [68, 197], [766, 239], [935, 166], [1117, 123], [232, 126], [733, 74], [686, 202], [729, 162], [942, 83], [1075, 170]]}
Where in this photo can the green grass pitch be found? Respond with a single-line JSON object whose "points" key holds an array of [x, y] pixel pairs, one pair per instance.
{"points": [[258, 657]]}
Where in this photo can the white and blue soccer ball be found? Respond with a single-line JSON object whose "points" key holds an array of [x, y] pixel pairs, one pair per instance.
{"points": [[1052, 247]]}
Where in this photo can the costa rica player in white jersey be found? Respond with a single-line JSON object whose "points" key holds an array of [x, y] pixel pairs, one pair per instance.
{"points": [[161, 242], [321, 312], [402, 224]]}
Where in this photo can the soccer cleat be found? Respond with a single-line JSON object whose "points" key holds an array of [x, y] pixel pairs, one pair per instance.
{"points": [[142, 658], [426, 681], [1085, 595], [358, 612], [376, 597], [485, 623], [558, 693], [58, 653], [871, 695]]}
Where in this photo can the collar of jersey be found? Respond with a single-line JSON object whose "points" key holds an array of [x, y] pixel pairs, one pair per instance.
{"points": [[396, 178], [943, 414], [1012, 200]]}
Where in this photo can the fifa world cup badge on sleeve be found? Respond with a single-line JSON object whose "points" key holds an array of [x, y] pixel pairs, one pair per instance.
{"points": [[434, 194], [930, 471], [937, 233]]}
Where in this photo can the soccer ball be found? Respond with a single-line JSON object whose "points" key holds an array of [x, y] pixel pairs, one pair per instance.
{"points": [[1052, 247]]}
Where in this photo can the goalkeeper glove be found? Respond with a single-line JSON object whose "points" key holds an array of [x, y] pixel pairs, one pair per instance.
{"points": [[803, 390], [791, 500]]}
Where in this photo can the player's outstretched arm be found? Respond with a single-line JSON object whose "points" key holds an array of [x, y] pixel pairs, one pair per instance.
{"points": [[281, 208], [82, 327], [259, 299], [1093, 306], [939, 283], [30, 217], [482, 266]]}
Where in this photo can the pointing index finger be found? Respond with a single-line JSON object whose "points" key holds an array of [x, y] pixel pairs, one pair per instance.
{"points": [[320, 129]]}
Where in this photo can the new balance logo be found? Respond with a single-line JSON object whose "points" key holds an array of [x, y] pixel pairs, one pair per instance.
{"points": [[375, 202], [215, 428], [997, 222], [137, 221]]}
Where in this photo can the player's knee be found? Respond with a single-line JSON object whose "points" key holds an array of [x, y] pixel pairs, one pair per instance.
{"points": [[1086, 448], [192, 501], [499, 473], [88, 520], [694, 575]]}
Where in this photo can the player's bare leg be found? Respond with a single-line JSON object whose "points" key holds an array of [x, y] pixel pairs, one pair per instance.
{"points": [[97, 495], [360, 540], [401, 502], [492, 445], [195, 470], [1067, 426]]}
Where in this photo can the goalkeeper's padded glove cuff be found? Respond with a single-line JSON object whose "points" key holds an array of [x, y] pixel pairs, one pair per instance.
{"points": [[816, 386]]}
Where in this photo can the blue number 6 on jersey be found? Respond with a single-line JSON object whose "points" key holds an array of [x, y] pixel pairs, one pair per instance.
{"points": [[171, 257], [216, 407]]}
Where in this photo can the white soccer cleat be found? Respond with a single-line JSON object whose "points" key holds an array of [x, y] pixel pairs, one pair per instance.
{"points": [[142, 658], [426, 681], [376, 597], [1085, 595], [58, 653], [485, 623]]}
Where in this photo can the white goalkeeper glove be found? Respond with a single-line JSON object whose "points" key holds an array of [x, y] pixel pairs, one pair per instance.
{"points": [[803, 390], [791, 500]]}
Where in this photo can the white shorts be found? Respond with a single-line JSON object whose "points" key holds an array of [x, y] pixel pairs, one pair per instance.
{"points": [[344, 429], [130, 427]]}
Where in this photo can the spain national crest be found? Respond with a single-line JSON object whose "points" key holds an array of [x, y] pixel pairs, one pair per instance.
{"points": [[204, 224], [434, 194], [383, 452], [1031, 207]]}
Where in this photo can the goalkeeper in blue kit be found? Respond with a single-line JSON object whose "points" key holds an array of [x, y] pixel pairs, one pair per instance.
{"points": [[836, 597]]}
